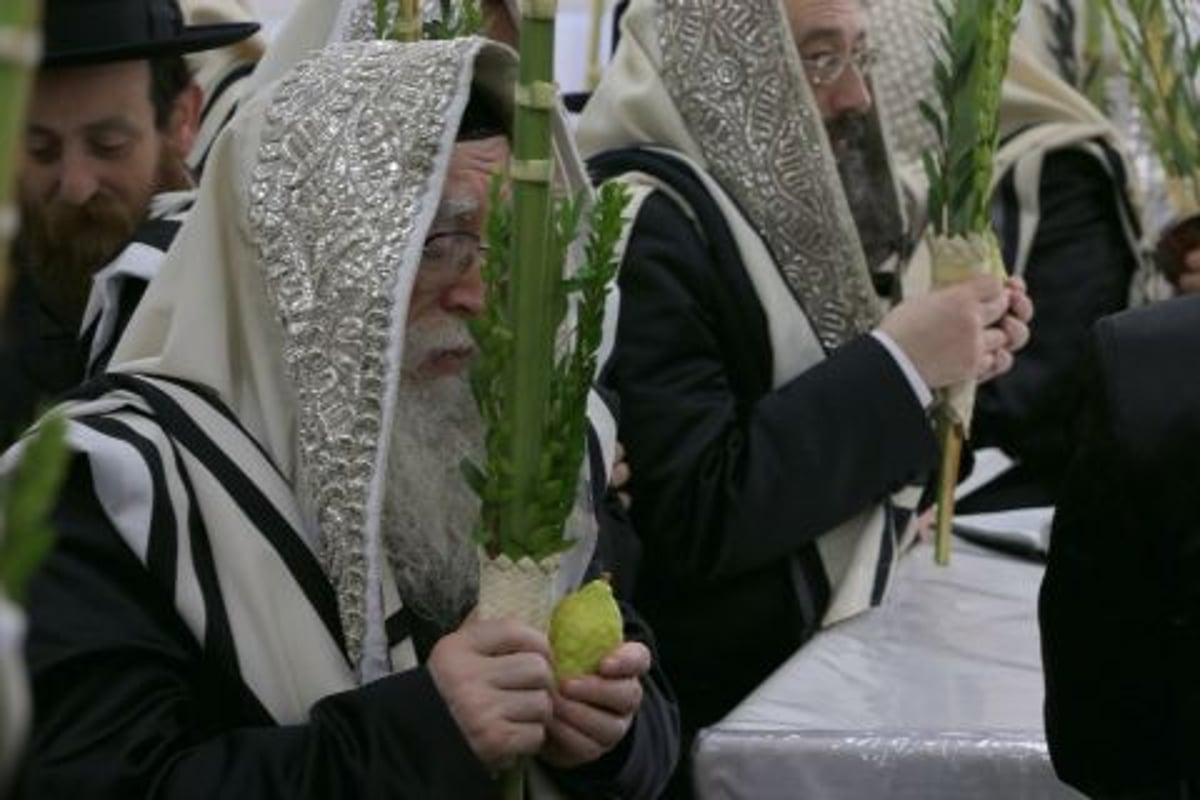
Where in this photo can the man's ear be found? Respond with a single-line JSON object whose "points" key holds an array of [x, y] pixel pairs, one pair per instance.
{"points": [[184, 122]]}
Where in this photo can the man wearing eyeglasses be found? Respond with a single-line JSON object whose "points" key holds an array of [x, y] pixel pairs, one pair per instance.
{"points": [[283, 607], [773, 399]]}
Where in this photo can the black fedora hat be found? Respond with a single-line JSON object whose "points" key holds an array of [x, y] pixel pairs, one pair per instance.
{"points": [[79, 32]]}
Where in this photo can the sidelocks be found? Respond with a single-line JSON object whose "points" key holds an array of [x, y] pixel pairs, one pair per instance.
{"points": [[1160, 49], [969, 66], [538, 338]]}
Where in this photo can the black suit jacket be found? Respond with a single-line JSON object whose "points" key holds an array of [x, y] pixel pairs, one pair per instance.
{"points": [[1120, 604], [734, 480]]}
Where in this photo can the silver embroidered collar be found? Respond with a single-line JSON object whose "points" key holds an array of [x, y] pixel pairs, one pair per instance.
{"points": [[346, 176], [732, 70]]}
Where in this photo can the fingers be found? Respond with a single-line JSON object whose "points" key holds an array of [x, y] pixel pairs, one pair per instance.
{"points": [[993, 298], [499, 744], [500, 695], [596, 723], [1016, 333], [629, 660], [996, 364], [1191, 261], [1189, 282], [1020, 304], [521, 671], [497, 637], [620, 475], [567, 747], [621, 696], [992, 339]]}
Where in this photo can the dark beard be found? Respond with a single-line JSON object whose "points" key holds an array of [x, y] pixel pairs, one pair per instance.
{"points": [[60, 246], [867, 186]]}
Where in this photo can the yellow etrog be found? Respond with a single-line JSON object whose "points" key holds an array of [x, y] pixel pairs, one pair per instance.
{"points": [[585, 627]]}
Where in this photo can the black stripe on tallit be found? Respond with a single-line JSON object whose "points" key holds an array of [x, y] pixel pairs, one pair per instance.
{"points": [[132, 290], [214, 402], [85, 338], [159, 233], [398, 627], [813, 591], [162, 543], [887, 547], [218, 635], [405, 624], [233, 76], [199, 170], [254, 504]]}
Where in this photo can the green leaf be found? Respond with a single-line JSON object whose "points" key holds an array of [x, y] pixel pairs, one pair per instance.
{"points": [[29, 498]]}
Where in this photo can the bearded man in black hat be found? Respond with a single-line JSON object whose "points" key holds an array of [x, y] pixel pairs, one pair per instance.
{"points": [[103, 180]]}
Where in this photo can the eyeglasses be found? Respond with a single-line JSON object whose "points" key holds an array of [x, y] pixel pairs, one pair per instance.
{"points": [[825, 68], [448, 255]]}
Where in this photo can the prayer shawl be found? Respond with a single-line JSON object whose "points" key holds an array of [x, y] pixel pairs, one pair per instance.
{"points": [[118, 286], [722, 91], [247, 417], [314, 23], [221, 73]]}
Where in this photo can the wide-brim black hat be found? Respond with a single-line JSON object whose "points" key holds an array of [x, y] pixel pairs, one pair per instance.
{"points": [[79, 32]]}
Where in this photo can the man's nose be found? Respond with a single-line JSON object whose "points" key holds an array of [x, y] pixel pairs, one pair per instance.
{"points": [[850, 93], [78, 180], [465, 296]]}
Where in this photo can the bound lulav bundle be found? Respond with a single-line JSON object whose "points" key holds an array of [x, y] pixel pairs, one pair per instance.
{"points": [[537, 337], [969, 70], [532, 378]]}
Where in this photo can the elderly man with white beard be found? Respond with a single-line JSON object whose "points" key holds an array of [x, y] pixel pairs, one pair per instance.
{"points": [[264, 575]]}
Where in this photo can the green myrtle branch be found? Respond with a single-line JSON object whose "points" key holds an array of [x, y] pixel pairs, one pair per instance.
{"points": [[969, 68], [1161, 58], [569, 373]]}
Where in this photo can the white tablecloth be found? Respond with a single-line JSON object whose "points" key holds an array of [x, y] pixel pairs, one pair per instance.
{"points": [[938, 694]]}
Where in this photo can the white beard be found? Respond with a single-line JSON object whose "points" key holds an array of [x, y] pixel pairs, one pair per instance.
{"points": [[429, 511]]}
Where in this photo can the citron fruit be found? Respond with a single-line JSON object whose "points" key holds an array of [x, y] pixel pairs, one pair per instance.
{"points": [[585, 627]]}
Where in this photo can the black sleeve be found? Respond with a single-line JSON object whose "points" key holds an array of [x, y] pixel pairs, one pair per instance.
{"points": [[1079, 270], [127, 705], [1104, 617], [729, 475]]}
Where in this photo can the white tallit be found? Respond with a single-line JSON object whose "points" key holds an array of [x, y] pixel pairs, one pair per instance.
{"points": [[286, 294]]}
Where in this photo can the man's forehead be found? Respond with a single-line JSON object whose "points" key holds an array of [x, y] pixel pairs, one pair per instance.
{"points": [[834, 19], [68, 98], [480, 155]]}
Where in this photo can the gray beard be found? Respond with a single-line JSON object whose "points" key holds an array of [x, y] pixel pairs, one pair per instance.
{"points": [[429, 512]]}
